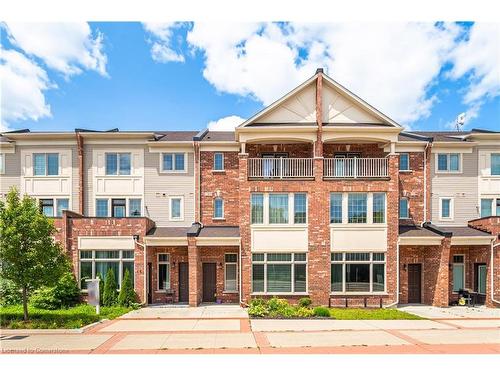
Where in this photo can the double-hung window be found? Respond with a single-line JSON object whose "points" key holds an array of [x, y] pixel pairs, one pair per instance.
{"points": [[357, 272], [486, 205], [404, 162], [163, 271], [335, 208], [458, 272], [173, 162], [495, 164], [257, 208], [230, 272], [278, 208], [134, 207], [53, 207], [47, 207], [118, 163], [61, 205], [378, 208], [118, 207], [97, 263], [299, 208], [2, 163], [46, 164], [448, 163], [276, 273], [404, 211], [218, 208], [357, 208], [218, 161], [101, 208]]}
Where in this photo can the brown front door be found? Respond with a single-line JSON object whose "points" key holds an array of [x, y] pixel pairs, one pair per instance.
{"points": [[209, 282], [183, 282], [414, 283]]}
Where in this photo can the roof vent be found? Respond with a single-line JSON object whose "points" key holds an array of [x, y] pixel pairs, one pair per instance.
{"points": [[319, 70]]}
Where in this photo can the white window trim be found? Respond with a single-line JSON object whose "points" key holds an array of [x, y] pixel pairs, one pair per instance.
{"points": [[463, 264], [46, 164], [452, 209], [213, 209], [291, 210], [127, 206], [369, 209], [490, 154], [173, 161], [407, 208], [371, 262], [460, 163], [223, 163], [158, 262], [408, 155], [181, 218], [38, 198], [2, 163], [118, 164], [94, 260], [292, 263], [226, 290]]}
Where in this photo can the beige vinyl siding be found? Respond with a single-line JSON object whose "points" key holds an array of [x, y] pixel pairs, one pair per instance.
{"points": [[159, 186], [462, 187], [12, 174]]}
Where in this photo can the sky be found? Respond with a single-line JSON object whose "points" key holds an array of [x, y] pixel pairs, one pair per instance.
{"points": [[189, 76]]}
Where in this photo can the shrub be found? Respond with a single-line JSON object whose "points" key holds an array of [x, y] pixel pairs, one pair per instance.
{"points": [[258, 310], [110, 294], [9, 293], [303, 312], [321, 311], [277, 304], [305, 302], [257, 302], [64, 294], [127, 296]]}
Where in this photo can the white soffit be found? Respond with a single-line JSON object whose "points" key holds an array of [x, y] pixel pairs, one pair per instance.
{"points": [[106, 243]]}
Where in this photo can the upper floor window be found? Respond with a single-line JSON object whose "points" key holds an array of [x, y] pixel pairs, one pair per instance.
{"points": [[218, 208], [118, 207], [176, 208], [173, 162], [403, 208], [448, 163], [118, 163], [404, 162], [495, 164], [446, 209], [2, 163], [53, 207], [490, 207], [218, 161], [379, 208], [278, 208], [134, 207], [357, 208], [46, 164], [336, 208], [362, 208]]}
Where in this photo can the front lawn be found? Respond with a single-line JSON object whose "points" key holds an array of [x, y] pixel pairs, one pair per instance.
{"points": [[74, 317], [277, 308]]}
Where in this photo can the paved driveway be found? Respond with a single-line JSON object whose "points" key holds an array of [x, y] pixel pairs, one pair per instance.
{"points": [[227, 329]]}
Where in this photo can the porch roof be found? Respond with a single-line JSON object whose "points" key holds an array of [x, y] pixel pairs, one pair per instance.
{"points": [[168, 232], [220, 231]]}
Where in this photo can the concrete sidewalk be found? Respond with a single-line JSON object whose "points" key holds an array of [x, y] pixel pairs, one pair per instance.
{"points": [[452, 312], [185, 312]]}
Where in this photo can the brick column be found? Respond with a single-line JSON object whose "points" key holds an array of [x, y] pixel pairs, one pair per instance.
{"points": [[246, 251], [441, 292], [195, 273], [392, 229]]}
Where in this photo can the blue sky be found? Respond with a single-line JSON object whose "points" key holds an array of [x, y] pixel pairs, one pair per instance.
{"points": [[182, 76]]}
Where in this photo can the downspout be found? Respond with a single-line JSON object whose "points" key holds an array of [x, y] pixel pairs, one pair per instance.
{"points": [[397, 278], [493, 272]]}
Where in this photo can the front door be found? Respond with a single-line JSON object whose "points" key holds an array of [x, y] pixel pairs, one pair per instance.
{"points": [[414, 283], [183, 282], [209, 282]]}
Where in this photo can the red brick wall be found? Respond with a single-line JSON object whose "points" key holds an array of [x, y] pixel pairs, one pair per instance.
{"points": [[411, 186], [294, 150], [219, 184], [366, 150]]}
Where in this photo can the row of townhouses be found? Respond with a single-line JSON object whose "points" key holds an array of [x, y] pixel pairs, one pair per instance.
{"points": [[319, 195]]}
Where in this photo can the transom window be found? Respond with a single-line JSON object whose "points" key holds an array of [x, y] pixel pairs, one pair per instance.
{"points": [[173, 162], [118, 207], [357, 272], [357, 208], [279, 273], [404, 162], [45, 164], [163, 271], [448, 162], [96, 263], [118, 163], [278, 208], [230, 272], [218, 208], [53, 207], [218, 161]]}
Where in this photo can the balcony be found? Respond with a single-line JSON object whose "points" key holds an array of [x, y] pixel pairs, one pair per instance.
{"points": [[280, 168], [356, 168]]}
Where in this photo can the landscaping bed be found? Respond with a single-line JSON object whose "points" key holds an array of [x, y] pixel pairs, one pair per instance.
{"points": [[277, 308], [11, 317]]}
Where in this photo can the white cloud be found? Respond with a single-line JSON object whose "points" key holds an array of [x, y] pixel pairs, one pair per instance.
{"points": [[162, 49], [392, 66], [225, 124], [23, 84], [68, 48]]}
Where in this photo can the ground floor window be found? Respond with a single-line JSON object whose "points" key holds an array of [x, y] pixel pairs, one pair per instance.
{"points": [[357, 272], [163, 271], [279, 273], [230, 272], [95, 263], [458, 273]]}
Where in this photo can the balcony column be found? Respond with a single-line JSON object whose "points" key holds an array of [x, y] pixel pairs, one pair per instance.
{"points": [[393, 148]]}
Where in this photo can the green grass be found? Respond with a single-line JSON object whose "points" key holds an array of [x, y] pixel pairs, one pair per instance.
{"points": [[371, 314], [74, 317]]}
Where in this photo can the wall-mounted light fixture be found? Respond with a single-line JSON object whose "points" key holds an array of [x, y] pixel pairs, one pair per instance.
{"points": [[404, 267]]}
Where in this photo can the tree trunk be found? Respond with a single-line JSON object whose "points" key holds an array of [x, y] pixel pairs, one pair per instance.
{"points": [[25, 303]]}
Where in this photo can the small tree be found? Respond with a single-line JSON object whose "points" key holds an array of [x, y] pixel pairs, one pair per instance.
{"points": [[127, 296], [109, 295], [30, 257]]}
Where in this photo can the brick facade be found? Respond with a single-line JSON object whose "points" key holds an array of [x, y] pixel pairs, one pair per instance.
{"points": [[411, 186]]}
